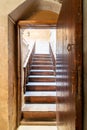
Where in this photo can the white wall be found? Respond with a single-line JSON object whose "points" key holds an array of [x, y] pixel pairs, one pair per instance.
{"points": [[42, 47]]}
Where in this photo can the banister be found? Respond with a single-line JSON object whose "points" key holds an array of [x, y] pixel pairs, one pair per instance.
{"points": [[51, 52], [29, 54], [26, 66]]}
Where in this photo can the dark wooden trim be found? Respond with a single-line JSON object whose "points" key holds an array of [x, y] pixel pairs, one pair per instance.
{"points": [[43, 23], [19, 78], [27, 67], [79, 40], [51, 52]]}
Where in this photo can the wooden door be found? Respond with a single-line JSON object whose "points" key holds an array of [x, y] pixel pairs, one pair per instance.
{"points": [[69, 66]]}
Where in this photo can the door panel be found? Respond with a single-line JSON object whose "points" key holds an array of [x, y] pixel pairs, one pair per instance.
{"points": [[69, 51]]}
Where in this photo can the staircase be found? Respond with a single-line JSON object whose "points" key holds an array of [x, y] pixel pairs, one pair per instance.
{"points": [[40, 94]]}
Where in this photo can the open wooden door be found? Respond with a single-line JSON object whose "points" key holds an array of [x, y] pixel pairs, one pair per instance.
{"points": [[69, 66]]}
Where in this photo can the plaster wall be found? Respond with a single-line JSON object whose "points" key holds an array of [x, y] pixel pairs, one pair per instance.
{"points": [[6, 6]]}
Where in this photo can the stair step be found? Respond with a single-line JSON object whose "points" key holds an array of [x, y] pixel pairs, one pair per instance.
{"points": [[62, 65], [44, 67], [39, 107], [49, 99], [39, 116], [41, 55], [40, 93], [60, 84], [42, 62], [39, 111], [62, 62], [40, 123], [45, 94], [62, 73], [40, 99], [35, 78], [47, 86], [41, 88], [47, 78], [42, 59], [42, 72], [61, 70]]}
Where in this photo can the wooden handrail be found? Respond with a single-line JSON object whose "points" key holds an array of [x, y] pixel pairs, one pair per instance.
{"points": [[26, 67], [51, 52]]}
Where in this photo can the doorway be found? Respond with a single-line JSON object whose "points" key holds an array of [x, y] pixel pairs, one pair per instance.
{"points": [[38, 49], [63, 23]]}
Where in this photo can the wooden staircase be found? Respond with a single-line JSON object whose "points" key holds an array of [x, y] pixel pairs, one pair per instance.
{"points": [[44, 88], [40, 94]]}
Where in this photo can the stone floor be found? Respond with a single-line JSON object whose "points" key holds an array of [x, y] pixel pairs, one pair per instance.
{"points": [[37, 128]]}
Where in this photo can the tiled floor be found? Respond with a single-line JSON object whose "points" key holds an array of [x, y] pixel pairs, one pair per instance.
{"points": [[37, 128]]}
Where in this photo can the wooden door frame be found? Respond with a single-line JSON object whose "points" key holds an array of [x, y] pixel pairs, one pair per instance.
{"points": [[24, 24]]}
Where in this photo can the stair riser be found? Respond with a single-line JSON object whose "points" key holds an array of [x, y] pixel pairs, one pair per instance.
{"points": [[41, 88], [63, 116], [38, 123], [42, 73], [41, 79], [62, 79], [39, 115], [42, 68], [62, 73], [41, 55], [61, 68], [42, 63], [42, 59], [62, 88], [62, 100], [40, 99]]}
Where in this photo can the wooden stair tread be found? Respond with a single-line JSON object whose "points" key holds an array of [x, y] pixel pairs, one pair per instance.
{"points": [[49, 76], [61, 70], [39, 107], [45, 93], [62, 65], [42, 65], [41, 76], [47, 84], [29, 122], [41, 83], [41, 70], [42, 59], [40, 93]]}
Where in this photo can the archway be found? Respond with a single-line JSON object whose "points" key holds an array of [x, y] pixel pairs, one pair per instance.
{"points": [[23, 12], [41, 21]]}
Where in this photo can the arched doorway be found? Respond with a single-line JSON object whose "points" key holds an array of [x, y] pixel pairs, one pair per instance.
{"points": [[23, 12], [41, 22], [31, 6]]}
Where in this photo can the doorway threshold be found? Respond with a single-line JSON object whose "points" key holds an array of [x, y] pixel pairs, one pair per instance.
{"points": [[22, 127]]}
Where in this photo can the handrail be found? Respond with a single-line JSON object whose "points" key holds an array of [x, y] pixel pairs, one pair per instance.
{"points": [[26, 67], [51, 52], [25, 63]]}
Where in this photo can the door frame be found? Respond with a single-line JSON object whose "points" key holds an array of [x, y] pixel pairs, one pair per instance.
{"points": [[24, 24]]}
